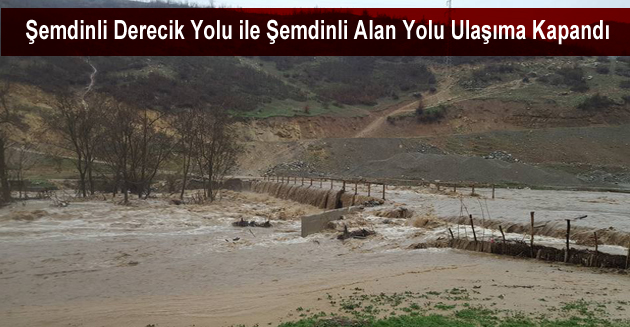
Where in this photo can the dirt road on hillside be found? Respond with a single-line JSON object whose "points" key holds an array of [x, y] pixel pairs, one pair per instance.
{"points": [[443, 95]]}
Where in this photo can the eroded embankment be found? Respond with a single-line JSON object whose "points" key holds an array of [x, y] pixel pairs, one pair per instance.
{"points": [[318, 197], [581, 235], [579, 257]]}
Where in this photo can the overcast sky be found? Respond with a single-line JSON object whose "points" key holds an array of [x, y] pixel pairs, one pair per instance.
{"points": [[421, 3]]}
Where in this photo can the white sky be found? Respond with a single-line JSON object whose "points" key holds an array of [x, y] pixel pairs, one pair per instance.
{"points": [[420, 3]]}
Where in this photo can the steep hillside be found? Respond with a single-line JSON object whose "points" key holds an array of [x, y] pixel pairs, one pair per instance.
{"points": [[249, 87]]}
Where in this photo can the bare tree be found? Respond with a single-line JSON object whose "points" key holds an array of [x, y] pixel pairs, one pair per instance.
{"points": [[134, 146], [150, 149], [185, 125], [22, 158], [77, 122], [8, 120], [116, 143], [216, 148]]}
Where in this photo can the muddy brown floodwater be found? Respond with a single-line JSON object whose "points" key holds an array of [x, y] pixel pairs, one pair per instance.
{"points": [[96, 263]]}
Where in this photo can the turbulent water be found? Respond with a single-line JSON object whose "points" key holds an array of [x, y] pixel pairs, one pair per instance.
{"points": [[98, 263]]}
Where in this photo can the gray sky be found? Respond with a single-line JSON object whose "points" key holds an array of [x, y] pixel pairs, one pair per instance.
{"points": [[422, 3]]}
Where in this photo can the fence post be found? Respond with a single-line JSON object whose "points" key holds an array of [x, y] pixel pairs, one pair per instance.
{"points": [[355, 188], [472, 225], [331, 184], [302, 181], [566, 254], [343, 187], [311, 182], [531, 243], [473, 190], [369, 191], [492, 191], [454, 188], [383, 191], [595, 234]]}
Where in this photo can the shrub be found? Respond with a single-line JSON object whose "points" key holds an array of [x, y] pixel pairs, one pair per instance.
{"points": [[596, 102], [431, 115], [574, 77], [622, 71], [602, 70], [420, 109], [487, 75]]}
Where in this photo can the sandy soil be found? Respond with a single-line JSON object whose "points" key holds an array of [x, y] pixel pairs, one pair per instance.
{"points": [[100, 264]]}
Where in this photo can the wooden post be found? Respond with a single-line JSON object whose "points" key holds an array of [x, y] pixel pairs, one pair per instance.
{"points": [[302, 181], [450, 231], [343, 186], [369, 191], [502, 234], [531, 242], [321, 183], [454, 188], [331, 184], [383, 191], [492, 191], [311, 182], [473, 190], [355, 188], [566, 254], [595, 234], [472, 225]]}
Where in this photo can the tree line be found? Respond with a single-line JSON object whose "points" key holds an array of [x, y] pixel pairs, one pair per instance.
{"points": [[126, 146]]}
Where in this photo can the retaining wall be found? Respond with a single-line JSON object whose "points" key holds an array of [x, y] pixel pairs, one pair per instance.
{"points": [[316, 223], [307, 194]]}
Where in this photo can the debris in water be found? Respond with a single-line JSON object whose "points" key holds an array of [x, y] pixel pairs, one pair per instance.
{"points": [[253, 223], [359, 234], [241, 223]]}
